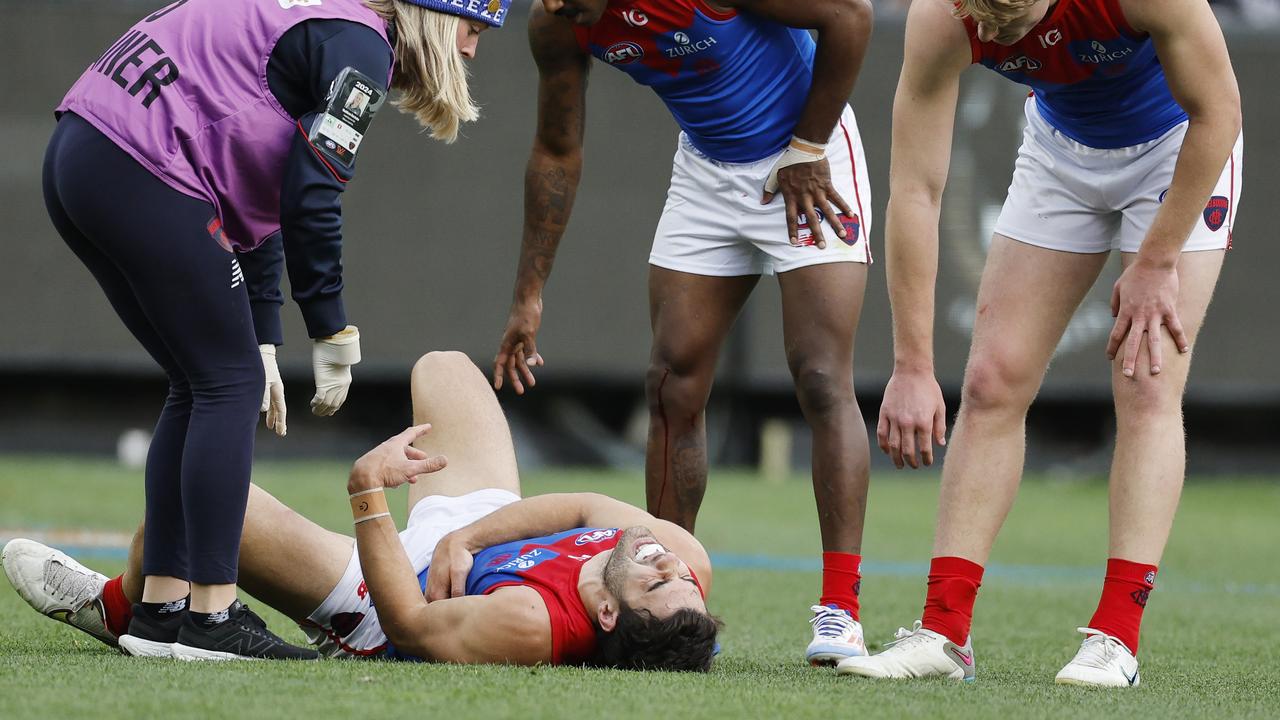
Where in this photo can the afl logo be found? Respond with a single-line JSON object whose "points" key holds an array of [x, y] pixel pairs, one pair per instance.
{"points": [[1215, 213], [1151, 577], [623, 53], [635, 18], [594, 536], [1022, 62]]}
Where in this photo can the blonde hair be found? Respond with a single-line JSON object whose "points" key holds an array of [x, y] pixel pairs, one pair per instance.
{"points": [[993, 11], [429, 72]]}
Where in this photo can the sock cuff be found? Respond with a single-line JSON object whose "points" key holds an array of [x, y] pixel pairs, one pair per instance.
{"points": [[956, 566], [842, 562], [1119, 569]]}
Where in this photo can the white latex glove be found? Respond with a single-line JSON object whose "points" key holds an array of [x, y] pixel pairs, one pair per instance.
{"points": [[273, 393], [331, 361]]}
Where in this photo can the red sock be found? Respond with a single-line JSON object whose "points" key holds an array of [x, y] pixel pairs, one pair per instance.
{"points": [[948, 606], [119, 610], [1124, 596], [841, 581]]}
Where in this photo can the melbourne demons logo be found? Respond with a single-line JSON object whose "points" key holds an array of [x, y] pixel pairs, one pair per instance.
{"points": [[623, 53], [1215, 213], [594, 536]]}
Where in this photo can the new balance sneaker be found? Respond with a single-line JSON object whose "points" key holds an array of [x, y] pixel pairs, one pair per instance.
{"points": [[57, 586], [242, 636], [836, 636], [915, 653], [153, 635], [1101, 661]]}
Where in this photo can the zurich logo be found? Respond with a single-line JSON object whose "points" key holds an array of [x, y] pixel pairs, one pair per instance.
{"points": [[1094, 52], [623, 53], [682, 38]]}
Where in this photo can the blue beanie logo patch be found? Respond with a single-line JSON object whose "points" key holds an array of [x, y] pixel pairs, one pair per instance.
{"points": [[490, 12]]}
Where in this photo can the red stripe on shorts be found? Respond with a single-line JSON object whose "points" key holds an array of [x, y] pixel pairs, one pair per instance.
{"points": [[862, 216]]}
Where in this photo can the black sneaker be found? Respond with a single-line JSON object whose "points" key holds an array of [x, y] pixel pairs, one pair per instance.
{"points": [[151, 636], [242, 636]]}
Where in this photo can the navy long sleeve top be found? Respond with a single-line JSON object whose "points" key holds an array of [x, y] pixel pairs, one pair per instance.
{"points": [[302, 67]]}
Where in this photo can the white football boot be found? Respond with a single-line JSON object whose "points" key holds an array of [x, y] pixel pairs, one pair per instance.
{"points": [[55, 585], [1101, 661], [915, 653], [836, 636]]}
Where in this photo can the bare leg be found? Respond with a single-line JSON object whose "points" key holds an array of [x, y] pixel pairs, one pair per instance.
{"points": [[690, 315], [467, 427], [820, 309], [287, 561], [1027, 296], [1150, 460]]}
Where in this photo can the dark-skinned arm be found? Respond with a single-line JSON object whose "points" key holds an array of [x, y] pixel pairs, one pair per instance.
{"points": [[550, 184]]}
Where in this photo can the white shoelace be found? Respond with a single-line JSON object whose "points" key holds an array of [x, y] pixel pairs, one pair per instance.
{"points": [[904, 639], [75, 587], [829, 622], [1103, 650]]}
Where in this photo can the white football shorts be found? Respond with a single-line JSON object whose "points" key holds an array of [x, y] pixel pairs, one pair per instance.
{"points": [[346, 623], [1071, 197], [713, 222]]}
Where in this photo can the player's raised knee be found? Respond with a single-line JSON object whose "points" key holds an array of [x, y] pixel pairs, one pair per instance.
{"points": [[438, 364]]}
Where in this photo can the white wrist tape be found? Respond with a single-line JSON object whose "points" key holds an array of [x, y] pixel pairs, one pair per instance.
{"points": [[793, 156]]}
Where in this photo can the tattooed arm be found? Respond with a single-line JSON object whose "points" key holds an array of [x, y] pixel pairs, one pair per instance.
{"points": [[550, 183]]}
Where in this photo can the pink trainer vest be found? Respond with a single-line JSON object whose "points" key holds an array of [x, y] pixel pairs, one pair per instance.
{"points": [[185, 93]]}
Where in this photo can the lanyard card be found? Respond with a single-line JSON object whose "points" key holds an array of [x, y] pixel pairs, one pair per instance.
{"points": [[354, 98]]}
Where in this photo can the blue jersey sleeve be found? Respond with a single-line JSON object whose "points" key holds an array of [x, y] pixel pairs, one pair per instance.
{"points": [[301, 69]]}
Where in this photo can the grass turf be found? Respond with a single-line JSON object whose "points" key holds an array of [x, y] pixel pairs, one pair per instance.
{"points": [[1211, 645]]}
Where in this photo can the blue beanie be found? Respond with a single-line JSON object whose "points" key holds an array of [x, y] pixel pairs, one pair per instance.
{"points": [[492, 12]]}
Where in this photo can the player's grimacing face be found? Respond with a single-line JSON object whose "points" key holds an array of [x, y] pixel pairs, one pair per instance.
{"points": [[646, 576], [1016, 27], [581, 12]]}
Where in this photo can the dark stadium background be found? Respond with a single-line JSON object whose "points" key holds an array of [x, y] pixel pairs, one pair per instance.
{"points": [[432, 239]]}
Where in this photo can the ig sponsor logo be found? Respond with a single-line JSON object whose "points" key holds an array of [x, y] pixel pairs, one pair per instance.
{"points": [[635, 18]]}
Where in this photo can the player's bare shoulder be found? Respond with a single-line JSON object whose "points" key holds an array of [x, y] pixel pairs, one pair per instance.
{"points": [[936, 37]]}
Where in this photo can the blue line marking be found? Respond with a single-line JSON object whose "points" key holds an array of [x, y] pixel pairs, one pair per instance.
{"points": [[1017, 574]]}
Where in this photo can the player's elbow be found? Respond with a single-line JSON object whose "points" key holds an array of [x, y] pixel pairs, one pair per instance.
{"points": [[856, 16]]}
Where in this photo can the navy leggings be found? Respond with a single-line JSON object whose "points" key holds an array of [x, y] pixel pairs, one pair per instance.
{"points": [[183, 298]]}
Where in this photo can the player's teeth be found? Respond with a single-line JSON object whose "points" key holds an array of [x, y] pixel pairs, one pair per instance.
{"points": [[649, 551]]}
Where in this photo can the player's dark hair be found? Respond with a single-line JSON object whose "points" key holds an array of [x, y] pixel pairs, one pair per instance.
{"points": [[683, 642]]}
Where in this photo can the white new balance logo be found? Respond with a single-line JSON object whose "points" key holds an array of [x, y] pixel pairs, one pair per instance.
{"points": [[237, 275]]}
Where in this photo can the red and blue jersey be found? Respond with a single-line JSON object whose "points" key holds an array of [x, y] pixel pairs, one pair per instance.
{"points": [[551, 565], [1095, 78], [735, 82]]}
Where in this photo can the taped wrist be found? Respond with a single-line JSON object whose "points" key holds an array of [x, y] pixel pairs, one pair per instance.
{"points": [[798, 151], [369, 505]]}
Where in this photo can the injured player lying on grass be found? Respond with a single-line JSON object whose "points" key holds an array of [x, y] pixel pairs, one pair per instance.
{"points": [[478, 576]]}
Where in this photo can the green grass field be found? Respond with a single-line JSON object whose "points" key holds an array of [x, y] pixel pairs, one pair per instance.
{"points": [[1211, 646]]}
